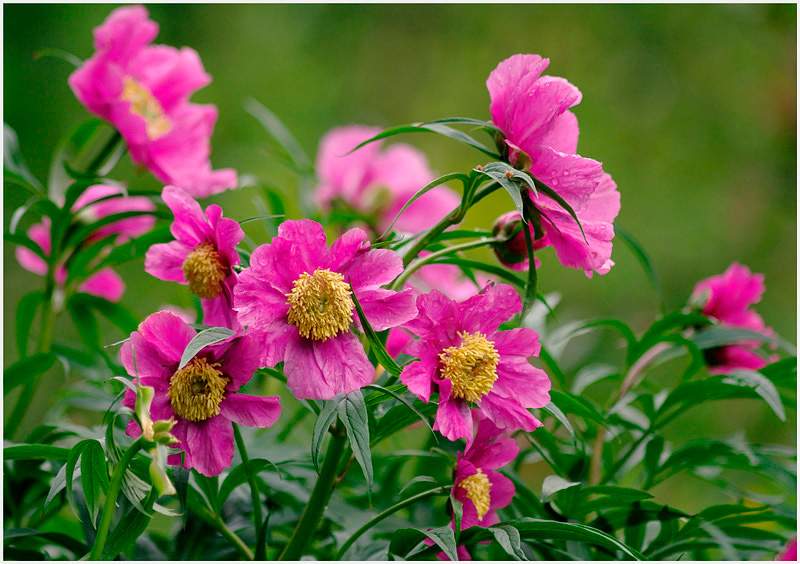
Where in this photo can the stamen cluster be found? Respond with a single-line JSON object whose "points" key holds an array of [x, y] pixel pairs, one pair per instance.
{"points": [[204, 271], [478, 487], [196, 390], [321, 306], [471, 367], [144, 104]]}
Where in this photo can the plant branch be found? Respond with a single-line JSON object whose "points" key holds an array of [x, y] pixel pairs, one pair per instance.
{"points": [[251, 478]]}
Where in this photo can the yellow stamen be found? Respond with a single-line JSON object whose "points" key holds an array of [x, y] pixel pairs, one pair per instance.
{"points": [[471, 367], [321, 306], [196, 390], [204, 271], [478, 487], [144, 104]]}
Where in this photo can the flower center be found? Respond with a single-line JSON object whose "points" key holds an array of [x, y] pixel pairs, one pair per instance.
{"points": [[321, 306], [204, 271], [144, 104], [471, 367], [196, 390], [478, 487]]}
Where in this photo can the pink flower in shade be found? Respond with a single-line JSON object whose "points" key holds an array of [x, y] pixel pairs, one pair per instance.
{"points": [[789, 552], [379, 182], [202, 396], [203, 255], [125, 228], [298, 292], [464, 358], [144, 90], [533, 113], [727, 298], [480, 489], [105, 283]]}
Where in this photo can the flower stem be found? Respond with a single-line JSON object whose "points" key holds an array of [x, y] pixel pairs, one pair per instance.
{"points": [[318, 501], [383, 515], [111, 500], [482, 242], [251, 478], [109, 147], [218, 524]]}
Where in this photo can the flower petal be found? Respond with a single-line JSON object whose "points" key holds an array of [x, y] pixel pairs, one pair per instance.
{"points": [[210, 443], [251, 411]]}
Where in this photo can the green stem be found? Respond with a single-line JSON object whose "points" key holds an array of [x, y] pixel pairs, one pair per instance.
{"points": [[218, 524], [450, 219], [251, 478], [111, 500], [482, 242], [319, 499], [383, 515], [104, 153]]}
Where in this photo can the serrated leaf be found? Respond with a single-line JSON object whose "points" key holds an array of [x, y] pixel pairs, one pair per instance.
{"points": [[353, 413], [94, 477], [26, 369], [324, 420], [203, 339]]}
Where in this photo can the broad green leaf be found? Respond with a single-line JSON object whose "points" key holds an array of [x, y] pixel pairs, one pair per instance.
{"points": [[405, 540], [570, 403], [324, 420], [498, 172], [238, 476], [554, 484], [94, 477], [209, 486], [353, 413], [26, 369], [508, 538], [85, 322], [203, 339], [35, 452]]}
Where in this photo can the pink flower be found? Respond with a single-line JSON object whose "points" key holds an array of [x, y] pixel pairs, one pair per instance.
{"points": [[202, 396], [105, 283], [464, 358], [480, 489], [727, 298], [789, 552], [379, 182], [532, 111], [203, 255], [143, 90], [298, 292]]}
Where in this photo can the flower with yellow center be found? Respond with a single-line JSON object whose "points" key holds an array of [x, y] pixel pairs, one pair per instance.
{"points": [[204, 271], [471, 367], [478, 487], [321, 306], [144, 104], [196, 390]]}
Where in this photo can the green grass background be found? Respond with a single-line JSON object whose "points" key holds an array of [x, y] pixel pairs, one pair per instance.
{"points": [[692, 110]]}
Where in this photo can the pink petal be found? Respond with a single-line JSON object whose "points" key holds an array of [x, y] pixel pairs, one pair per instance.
{"points": [[165, 261], [210, 443], [453, 418], [386, 308], [305, 240], [375, 267], [251, 411], [507, 413], [527, 385], [487, 310], [105, 284], [190, 225], [417, 377]]}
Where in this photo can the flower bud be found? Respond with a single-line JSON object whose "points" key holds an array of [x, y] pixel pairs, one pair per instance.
{"points": [[144, 398], [513, 252], [158, 471]]}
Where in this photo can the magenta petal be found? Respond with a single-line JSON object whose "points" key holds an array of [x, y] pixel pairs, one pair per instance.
{"points": [[453, 419], [105, 284], [417, 377], [573, 177], [251, 411], [522, 342], [165, 261], [304, 375], [373, 268], [308, 243], [239, 357], [219, 311], [190, 225], [273, 341], [563, 137], [344, 249], [507, 413], [386, 308], [210, 443], [502, 491], [168, 333], [518, 379], [487, 310]]}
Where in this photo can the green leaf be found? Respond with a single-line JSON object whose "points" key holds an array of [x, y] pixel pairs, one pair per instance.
{"points": [[402, 399], [203, 339], [23, 241], [94, 477], [115, 313], [497, 171], [324, 420], [427, 188], [353, 413], [640, 254], [405, 540], [85, 322], [35, 452], [72, 461], [133, 249], [553, 410], [238, 476], [569, 403], [35, 203], [58, 54], [430, 128], [508, 538], [60, 539], [501, 273], [712, 337], [26, 369], [467, 121], [130, 527], [82, 233], [14, 164], [554, 484], [378, 348], [399, 418], [275, 127]]}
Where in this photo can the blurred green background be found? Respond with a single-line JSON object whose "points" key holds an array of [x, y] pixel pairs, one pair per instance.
{"points": [[692, 110]]}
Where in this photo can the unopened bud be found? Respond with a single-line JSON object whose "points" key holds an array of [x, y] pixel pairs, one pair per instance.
{"points": [[513, 252], [158, 472]]}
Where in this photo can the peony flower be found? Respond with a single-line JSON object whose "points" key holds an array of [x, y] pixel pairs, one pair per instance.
{"points": [[378, 183], [202, 396], [143, 90], [467, 361], [298, 292], [203, 255], [727, 298], [480, 489], [789, 552], [541, 134]]}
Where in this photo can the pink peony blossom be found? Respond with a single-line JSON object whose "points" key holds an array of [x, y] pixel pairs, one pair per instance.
{"points": [[464, 358], [105, 283], [298, 292], [379, 182], [203, 255], [533, 113], [143, 90], [727, 298], [480, 489], [789, 552], [202, 396]]}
